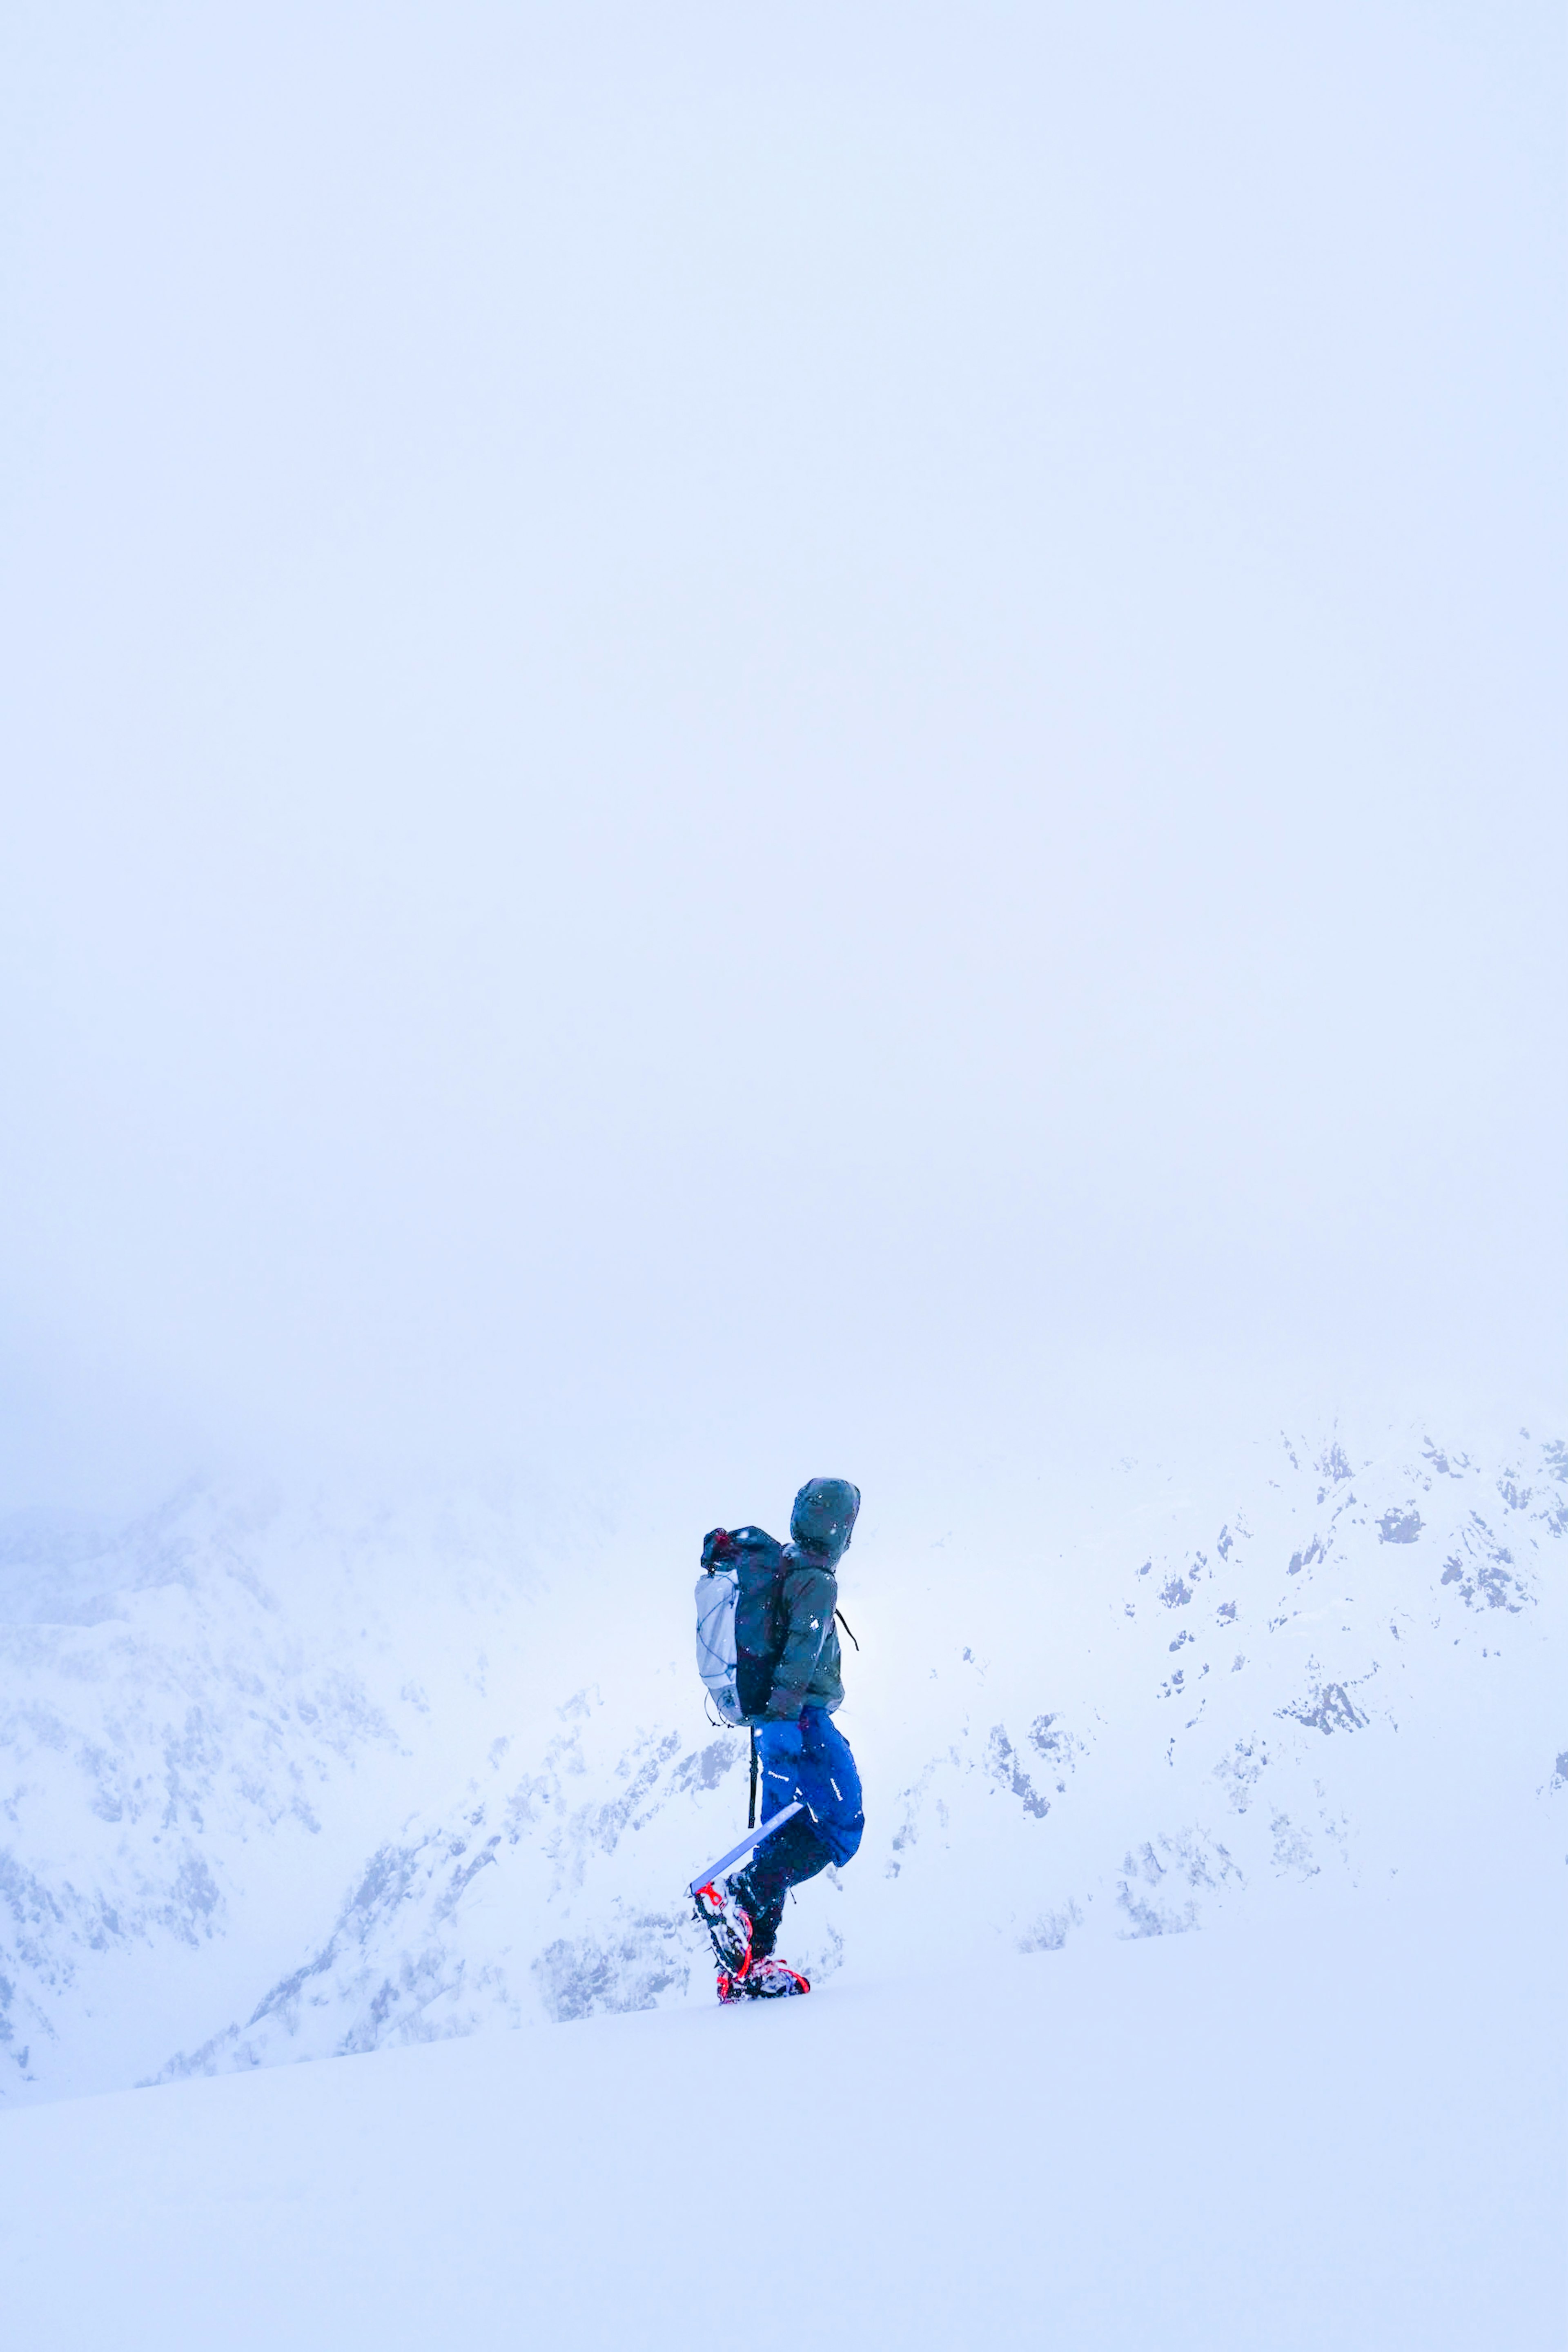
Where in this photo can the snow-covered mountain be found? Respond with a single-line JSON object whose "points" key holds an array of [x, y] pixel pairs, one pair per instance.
{"points": [[205, 1717], [278, 1782]]}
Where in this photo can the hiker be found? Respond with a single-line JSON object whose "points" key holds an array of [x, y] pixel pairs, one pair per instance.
{"points": [[803, 1757]]}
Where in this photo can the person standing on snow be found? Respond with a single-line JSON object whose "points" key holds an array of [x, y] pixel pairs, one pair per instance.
{"points": [[803, 1757]]}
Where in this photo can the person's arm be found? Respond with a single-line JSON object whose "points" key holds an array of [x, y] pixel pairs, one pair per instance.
{"points": [[810, 1596]]}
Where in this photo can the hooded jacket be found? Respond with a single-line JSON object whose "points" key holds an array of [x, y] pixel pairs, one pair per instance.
{"points": [[810, 1668]]}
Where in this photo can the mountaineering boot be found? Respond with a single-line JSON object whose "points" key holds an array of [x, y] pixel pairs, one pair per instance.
{"points": [[765, 1980], [728, 1926], [771, 1978]]}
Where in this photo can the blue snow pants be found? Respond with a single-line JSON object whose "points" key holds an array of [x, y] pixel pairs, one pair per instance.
{"points": [[823, 1776], [819, 1770]]}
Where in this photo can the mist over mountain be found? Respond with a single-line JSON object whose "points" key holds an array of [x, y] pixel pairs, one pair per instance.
{"points": [[722, 732]]}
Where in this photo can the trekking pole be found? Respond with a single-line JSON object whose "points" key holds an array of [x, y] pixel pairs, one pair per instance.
{"points": [[751, 1809]]}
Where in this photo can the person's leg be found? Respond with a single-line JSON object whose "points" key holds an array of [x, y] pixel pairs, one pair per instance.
{"points": [[787, 1859], [829, 1783], [792, 1855], [824, 1777], [779, 1753]]}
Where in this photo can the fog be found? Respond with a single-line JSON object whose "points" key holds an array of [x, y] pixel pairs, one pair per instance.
{"points": [[729, 729]]}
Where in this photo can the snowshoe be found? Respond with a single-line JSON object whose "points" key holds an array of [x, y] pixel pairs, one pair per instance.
{"points": [[765, 1980], [771, 1978], [728, 1926]]}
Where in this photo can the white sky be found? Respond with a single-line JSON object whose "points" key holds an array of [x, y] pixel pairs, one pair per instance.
{"points": [[726, 717]]}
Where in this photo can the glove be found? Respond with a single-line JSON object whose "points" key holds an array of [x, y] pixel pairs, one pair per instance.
{"points": [[785, 1743]]}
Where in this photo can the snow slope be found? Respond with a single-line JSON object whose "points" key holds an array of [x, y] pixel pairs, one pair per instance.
{"points": [[204, 1719], [277, 1782], [1344, 2123]]}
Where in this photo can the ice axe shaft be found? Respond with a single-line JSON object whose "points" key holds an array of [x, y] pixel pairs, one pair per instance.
{"points": [[752, 1838]]}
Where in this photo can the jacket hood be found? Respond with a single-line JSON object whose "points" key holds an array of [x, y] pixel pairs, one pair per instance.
{"points": [[823, 1519]]}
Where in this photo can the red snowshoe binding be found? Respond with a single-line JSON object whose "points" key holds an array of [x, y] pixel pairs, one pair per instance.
{"points": [[742, 1977], [728, 1926], [769, 1978]]}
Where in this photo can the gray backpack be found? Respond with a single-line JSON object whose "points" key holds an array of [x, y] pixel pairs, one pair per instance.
{"points": [[742, 1622]]}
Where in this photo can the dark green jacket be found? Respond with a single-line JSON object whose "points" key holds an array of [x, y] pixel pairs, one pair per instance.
{"points": [[810, 1670]]}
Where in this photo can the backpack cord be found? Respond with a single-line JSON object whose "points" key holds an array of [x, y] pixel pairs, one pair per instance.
{"points": [[845, 1623]]}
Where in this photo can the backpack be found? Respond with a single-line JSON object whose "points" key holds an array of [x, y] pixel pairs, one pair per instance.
{"points": [[742, 1623]]}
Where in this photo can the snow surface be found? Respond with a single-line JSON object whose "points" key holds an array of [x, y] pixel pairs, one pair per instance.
{"points": [[1342, 2124]]}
